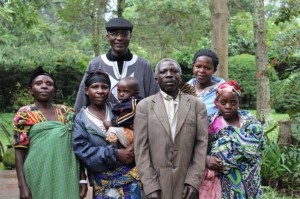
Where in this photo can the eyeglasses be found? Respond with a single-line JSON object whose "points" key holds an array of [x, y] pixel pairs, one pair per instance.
{"points": [[117, 34]]}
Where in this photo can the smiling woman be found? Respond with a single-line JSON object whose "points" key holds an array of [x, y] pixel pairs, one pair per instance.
{"points": [[42, 139], [205, 64]]}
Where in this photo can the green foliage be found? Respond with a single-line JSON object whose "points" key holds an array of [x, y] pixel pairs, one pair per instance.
{"points": [[9, 158], [273, 166], [241, 24], [165, 28], [288, 9], [286, 94], [281, 167], [242, 68], [284, 50]]}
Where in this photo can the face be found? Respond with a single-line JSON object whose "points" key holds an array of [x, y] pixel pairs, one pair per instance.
{"points": [[168, 78], [203, 69], [98, 93], [228, 104], [125, 90], [42, 88], [119, 40]]}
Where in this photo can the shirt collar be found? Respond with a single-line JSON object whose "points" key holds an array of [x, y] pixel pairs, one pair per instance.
{"points": [[169, 97]]}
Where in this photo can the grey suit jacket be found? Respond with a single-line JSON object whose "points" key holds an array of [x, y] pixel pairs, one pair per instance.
{"points": [[163, 164]]}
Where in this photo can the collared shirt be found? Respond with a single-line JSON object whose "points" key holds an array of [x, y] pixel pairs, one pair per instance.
{"points": [[172, 110]]}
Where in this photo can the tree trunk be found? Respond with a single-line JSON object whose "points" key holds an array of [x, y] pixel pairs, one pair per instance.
{"points": [[219, 35], [263, 109], [98, 11]]}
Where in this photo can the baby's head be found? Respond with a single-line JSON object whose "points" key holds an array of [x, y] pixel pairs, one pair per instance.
{"points": [[128, 87], [228, 96]]}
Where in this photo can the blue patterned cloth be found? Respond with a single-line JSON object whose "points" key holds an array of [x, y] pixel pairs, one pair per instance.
{"points": [[120, 183], [240, 150]]}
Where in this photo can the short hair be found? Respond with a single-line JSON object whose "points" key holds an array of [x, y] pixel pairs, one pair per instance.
{"points": [[167, 60], [207, 53], [133, 82]]}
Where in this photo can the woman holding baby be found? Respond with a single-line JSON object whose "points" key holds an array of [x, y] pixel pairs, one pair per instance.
{"points": [[111, 170]]}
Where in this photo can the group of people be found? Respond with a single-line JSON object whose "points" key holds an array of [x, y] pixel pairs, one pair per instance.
{"points": [[138, 134]]}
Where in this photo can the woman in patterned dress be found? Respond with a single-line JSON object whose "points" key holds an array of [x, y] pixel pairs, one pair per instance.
{"points": [[111, 171], [45, 163]]}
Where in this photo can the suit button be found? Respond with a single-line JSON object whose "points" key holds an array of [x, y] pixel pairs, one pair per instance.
{"points": [[174, 167]]}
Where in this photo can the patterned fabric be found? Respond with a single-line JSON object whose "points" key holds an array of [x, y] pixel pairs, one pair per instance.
{"points": [[208, 95], [240, 150], [120, 183], [188, 89], [50, 168], [27, 116], [124, 112], [229, 87]]}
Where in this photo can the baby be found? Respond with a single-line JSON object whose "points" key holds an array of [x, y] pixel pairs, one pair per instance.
{"points": [[119, 129]]}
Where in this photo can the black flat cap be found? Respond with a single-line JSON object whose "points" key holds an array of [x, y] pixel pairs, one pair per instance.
{"points": [[119, 24]]}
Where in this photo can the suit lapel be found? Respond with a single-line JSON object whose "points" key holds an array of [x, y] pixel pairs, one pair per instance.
{"points": [[183, 110], [161, 113]]}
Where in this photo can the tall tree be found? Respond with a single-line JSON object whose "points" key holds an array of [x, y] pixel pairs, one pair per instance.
{"points": [[263, 109], [219, 34]]}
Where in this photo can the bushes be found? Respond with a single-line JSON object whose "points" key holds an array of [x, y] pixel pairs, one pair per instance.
{"points": [[285, 95], [14, 94], [281, 168], [242, 68]]}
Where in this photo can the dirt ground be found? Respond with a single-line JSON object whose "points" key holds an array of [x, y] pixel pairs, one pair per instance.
{"points": [[9, 185]]}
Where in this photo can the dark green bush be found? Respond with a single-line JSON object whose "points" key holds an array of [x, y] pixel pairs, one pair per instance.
{"points": [[242, 68], [13, 92], [285, 95]]}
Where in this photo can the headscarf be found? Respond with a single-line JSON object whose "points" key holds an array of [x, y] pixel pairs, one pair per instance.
{"points": [[97, 76], [37, 72], [229, 87], [94, 77]]}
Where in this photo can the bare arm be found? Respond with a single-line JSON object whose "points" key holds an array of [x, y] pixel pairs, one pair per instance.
{"points": [[23, 187]]}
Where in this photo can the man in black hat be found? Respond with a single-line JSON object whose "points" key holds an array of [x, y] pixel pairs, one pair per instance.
{"points": [[119, 62]]}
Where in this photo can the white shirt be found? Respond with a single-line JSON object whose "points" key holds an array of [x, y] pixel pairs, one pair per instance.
{"points": [[172, 110]]}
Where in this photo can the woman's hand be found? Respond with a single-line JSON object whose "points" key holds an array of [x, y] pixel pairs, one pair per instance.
{"points": [[25, 192], [125, 156], [83, 190], [130, 147], [213, 163]]}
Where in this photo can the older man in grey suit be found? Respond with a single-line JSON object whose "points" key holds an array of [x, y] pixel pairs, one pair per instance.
{"points": [[170, 138]]}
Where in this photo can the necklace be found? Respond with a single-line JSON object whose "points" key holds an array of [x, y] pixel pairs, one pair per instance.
{"points": [[96, 115]]}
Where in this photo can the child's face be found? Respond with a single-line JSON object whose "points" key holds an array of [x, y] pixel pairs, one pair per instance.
{"points": [[125, 90], [228, 104]]}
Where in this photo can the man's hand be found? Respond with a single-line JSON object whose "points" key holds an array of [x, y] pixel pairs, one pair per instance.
{"points": [[154, 195], [83, 190], [213, 163], [125, 156], [189, 192]]}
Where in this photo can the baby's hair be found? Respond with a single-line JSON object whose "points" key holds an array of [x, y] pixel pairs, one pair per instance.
{"points": [[133, 83]]}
